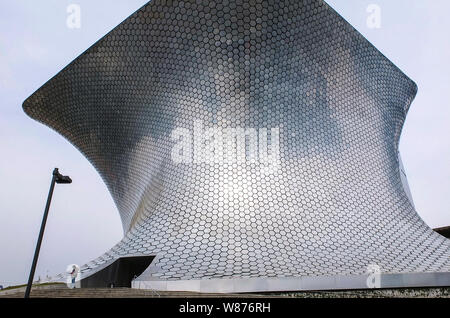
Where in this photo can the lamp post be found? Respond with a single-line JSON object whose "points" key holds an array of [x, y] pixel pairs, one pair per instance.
{"points": [[57, 178]]}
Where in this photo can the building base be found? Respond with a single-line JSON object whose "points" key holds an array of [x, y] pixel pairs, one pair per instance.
{"points": [[306, 283]]}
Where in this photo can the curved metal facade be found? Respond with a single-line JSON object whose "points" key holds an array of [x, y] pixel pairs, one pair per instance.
{"points": [[329, 101]]}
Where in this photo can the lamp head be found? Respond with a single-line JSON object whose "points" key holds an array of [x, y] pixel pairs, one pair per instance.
{"points": [[59, 178]]}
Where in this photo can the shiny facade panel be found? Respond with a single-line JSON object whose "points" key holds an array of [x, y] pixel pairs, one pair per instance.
{"points": [[295, 74]]}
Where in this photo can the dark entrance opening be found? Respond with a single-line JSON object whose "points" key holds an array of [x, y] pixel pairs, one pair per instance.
{"points": [[118, 274]]}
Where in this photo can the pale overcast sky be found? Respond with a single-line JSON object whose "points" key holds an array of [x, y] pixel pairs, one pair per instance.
{"points": [[35, 43]]}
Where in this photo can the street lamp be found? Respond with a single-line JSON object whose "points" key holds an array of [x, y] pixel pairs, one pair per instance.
{"points": [[57, 178]]}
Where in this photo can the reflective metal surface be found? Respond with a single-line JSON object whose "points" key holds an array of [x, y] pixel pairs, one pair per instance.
{"points": [[335, 202]]}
